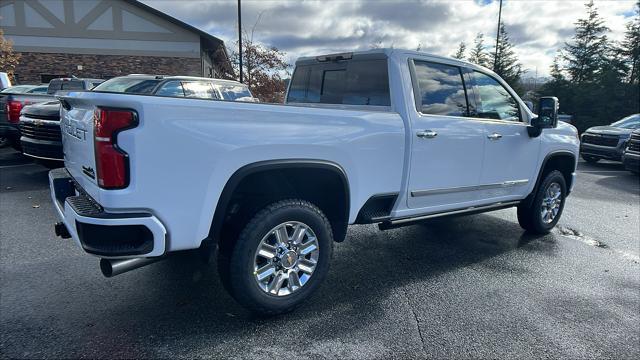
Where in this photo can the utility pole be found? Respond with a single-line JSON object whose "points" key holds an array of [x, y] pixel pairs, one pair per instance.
{"points": [[240, 39], [495, 59]]}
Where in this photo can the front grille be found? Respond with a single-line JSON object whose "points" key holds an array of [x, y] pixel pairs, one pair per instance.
{"points": [[602, 140], [41, 131], [634, 143]]}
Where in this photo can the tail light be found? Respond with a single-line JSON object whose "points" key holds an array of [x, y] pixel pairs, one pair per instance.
{"points": [[13, 111], [112, 163]]}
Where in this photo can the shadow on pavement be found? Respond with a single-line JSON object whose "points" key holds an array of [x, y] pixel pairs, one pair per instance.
{"points": [[185, 298]]}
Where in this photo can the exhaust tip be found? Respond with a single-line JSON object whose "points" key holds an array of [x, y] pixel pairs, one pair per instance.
{"points": [[106, 268], [61, 230]]}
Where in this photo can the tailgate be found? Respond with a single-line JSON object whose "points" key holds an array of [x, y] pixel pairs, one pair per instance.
{"points": [[76, 122]]}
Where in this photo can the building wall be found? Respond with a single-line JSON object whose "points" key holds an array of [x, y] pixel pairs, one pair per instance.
{"points": [[33, 65], [109, 27]]}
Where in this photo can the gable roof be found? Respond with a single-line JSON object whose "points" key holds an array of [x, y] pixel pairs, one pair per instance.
{"points": [[213, 44], [175, 21]]}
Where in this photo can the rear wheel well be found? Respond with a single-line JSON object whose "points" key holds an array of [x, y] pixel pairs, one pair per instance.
{"points": [[247, 192]]}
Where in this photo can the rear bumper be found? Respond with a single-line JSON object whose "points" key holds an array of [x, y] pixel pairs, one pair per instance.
{"points": [[9, 131], [101, 233]]}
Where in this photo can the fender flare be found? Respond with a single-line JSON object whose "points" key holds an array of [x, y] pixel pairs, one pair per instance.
{"points": [[260, 166], [529, 199]]}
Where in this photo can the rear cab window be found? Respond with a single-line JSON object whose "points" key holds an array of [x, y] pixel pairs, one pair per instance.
{"points": [[360, 80]]}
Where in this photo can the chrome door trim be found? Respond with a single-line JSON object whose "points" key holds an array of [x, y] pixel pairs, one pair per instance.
{"points": [[416, 193], [481, 208]]}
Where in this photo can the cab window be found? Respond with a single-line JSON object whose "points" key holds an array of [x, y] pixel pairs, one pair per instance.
{"points": [[493, 100], [171, 88], [440, 89], [199, 90]]}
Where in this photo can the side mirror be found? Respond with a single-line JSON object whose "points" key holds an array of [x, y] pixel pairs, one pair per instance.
{"points": [[547, 115]]}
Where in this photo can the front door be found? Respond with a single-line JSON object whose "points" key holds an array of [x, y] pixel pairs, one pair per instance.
{"points": [[447, 145], [510, 153]]}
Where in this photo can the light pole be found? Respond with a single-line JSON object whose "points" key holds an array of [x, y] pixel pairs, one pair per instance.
{"points": [[495, 58], [240, 39]]}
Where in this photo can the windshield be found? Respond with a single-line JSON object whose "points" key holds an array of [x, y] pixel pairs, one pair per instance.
{"points": [[128, 85], [234, 92], [17, 89], [630, 122], [38, 90]]}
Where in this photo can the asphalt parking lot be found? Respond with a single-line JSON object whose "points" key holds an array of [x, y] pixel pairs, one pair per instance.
{"points": [[467, 287]]}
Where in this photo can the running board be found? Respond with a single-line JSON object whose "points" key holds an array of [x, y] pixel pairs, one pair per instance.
{"points": [[395, 223]]}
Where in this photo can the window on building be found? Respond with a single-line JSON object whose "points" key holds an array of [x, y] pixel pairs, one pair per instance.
{"points": [[494, 101], [441, 89]]}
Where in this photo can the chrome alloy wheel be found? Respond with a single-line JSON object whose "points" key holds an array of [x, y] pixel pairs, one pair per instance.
{"points": [[551, 203], [286, 258]]}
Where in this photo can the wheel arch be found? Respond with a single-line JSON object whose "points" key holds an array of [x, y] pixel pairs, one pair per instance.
{"points": [[338, 221], [561, 160]]}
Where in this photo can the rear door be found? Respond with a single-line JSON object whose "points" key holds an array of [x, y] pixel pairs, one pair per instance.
{"points": [[511, 154], [447, 144]]}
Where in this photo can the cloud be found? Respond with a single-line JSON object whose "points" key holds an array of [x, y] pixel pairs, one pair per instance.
{"points": [[301, 28]]}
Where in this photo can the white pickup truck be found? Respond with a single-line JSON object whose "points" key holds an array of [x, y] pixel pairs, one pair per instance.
{"points": [[385, 136]]}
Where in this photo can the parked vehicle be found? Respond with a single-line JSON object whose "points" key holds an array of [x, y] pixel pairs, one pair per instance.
{"points": [[631, 155], [608, 142], [178, 86], [40, 123], [385, 136], [5, 82], [22, 89], [566, 118], [11, 104]]}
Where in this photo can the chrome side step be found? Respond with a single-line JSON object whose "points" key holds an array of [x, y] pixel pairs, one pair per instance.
{"points": [[398, 222]]}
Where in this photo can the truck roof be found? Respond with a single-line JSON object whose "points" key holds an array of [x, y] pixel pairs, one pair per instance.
{"points": [[179, 77], [379, 54]]}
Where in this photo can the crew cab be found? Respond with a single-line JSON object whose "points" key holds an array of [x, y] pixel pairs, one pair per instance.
{"points": [[12, 103], [387, 136], [40, 123]]}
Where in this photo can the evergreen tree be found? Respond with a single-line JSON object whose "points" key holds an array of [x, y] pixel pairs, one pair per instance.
{"points": [[462, 48], [478, 54], [556, 71], [504, 60], [586, 55], [630, 47]]}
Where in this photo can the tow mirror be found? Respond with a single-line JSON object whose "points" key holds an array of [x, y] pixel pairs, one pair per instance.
{"points": [[547, 115]]}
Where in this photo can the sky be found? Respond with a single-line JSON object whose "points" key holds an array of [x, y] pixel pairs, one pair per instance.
{"points": [[302, 28]]}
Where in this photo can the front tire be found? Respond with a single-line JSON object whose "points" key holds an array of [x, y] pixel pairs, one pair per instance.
{"points": [[547, 205], [280, 257]]}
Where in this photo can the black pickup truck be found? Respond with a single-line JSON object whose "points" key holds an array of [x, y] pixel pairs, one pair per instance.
{"points": [[12, 104]]}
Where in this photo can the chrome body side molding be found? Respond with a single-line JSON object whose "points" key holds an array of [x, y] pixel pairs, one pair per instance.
{"points": [[416, 193]]}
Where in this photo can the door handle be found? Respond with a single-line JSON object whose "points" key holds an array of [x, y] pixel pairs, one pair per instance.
{"points": [[429, 134], [494, 136]]}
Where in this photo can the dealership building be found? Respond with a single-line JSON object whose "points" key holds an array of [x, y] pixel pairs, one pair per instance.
{"points": [[106, 38]]}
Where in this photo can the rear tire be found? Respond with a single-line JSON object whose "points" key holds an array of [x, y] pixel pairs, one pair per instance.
{"points": [[590, 159], [269, 269], [545, 210]]}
